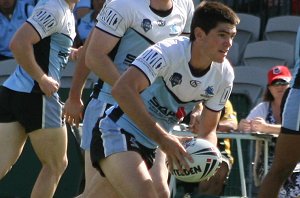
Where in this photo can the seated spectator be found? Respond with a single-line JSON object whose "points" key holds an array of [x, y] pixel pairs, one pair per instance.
{"points": [[13, 13], [87, 22], [82, 8], [215, 185], [266, 118]]}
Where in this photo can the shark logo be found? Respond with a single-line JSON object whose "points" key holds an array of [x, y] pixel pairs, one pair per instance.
{"points": [[209, 92]]}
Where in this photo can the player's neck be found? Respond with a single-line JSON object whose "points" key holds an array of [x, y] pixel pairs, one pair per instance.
{"points": [[161, 4]]}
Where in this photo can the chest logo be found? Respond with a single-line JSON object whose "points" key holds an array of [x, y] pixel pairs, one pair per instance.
{"points": [[175, 79], [146, 25], [209, 92]]}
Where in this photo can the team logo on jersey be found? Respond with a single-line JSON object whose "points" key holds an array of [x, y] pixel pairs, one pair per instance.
{"points": [[195, 83], [174, 30], [209, 92], [110, 17], [146, 25], [161, 23], [175, 79], [45, 19]]}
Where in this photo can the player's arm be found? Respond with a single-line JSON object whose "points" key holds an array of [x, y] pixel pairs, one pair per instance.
{"points": [[22, 47], [205, 124], [74, 106], [127, 93], [97, 59]]}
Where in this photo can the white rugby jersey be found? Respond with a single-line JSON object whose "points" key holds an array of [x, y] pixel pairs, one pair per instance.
{"points": [[138, 27], [174, 91], [55, 24]]}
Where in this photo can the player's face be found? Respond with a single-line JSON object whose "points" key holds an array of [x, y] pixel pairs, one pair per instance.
{"points": [[7, 4], [219, 40]]}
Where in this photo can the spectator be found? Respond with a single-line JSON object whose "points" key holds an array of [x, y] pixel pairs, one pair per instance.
{"points": [[29, 103], [86, 23], [13, 13], [266, 118], [82, 8]]}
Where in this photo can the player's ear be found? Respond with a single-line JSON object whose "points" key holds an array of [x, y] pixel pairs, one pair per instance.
{"points": [[199, 33]]}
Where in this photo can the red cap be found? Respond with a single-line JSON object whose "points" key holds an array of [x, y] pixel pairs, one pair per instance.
{"points": [[279, 72]]}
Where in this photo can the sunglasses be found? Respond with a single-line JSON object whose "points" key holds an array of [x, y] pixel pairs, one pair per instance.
{"points": [[279, 83]]}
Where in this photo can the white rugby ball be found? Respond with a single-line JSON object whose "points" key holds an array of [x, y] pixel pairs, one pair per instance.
{"points": [[207, 159]]}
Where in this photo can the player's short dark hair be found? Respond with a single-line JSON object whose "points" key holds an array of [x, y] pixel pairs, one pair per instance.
{"points": [[208, 14]]}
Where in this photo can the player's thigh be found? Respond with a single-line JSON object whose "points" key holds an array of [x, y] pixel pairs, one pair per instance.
{"points": [[128, 173], [12, 140], [50, 144]]}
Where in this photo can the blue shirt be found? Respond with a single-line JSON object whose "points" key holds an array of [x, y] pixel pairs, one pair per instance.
{"points": [[8, 27]]}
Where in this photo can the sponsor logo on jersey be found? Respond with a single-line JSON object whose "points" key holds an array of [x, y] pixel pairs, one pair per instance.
{"points": [[209, 92], [146, 25], [111, 18], [195, 83], [175, 79], [174, 30], [45, 19], [161, 23], [164, 110], [153, 59]]}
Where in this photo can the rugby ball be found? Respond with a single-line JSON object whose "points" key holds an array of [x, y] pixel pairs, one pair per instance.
{"points": [[207, 159]]}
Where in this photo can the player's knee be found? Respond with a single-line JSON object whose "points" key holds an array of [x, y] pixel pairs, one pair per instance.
{"points": [[58, 167]]}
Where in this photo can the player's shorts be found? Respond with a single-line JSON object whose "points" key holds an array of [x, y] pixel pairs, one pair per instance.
{"points": [[110, 139], [93, 111], [32, 110], [291, 113]]}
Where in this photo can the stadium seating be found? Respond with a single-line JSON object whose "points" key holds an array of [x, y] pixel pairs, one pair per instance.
{"points": [[6, 68], [268, 54], [282, 28], [248, 31]]}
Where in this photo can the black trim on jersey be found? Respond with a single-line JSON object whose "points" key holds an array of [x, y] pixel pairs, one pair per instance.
{"points": [[161, 13], [108, 32], [42, 54], [35, 29], [296, 84], [213, 109], [197, 72], [289, 131], [176, 98], [147, 39], [149, 82], [26, 9], [68, 36], [116, 114]]}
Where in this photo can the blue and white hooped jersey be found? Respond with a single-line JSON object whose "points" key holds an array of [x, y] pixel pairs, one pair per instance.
{"points": [[55, 24], [8, 27], [138, 27], [174, 90]]}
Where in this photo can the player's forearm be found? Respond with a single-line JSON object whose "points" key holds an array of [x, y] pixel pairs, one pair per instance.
{"points": [[132, 104], [79, 78]]}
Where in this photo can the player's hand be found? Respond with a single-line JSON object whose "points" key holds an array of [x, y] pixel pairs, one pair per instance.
{"points": [[176, 153], [72, 111], [75, 53], [48, 85]]}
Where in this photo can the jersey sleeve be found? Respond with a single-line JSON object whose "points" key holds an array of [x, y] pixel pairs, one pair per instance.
{"points": [[115, 18], [46, 20], [190, 13], [151, 62]]}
